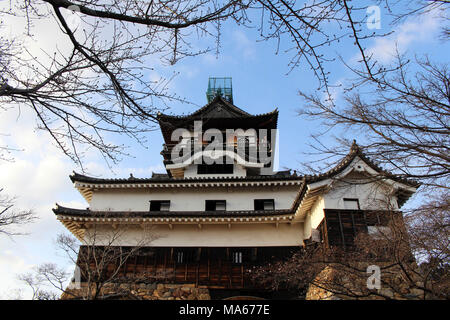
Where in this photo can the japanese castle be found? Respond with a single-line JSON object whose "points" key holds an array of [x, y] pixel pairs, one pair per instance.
{"points": [[220, 209]]}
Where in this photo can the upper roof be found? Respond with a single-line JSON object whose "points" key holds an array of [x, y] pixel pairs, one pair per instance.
{"points": [[219, 107], [219, 113]]}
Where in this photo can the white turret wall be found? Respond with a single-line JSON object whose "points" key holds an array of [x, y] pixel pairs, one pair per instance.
{"points": [[212, 235], [191, 199]]}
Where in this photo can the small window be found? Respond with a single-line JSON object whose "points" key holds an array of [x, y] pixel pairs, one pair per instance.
{"points": [[186, 255], [215, 205], [264, 204], [215, 168], [180, 256], [315, 235], [159, 205], [237, 257], [351, 204]]}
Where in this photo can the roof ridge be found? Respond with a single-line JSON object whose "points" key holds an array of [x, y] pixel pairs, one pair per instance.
{"points": [[356, 150], [226, 102]]}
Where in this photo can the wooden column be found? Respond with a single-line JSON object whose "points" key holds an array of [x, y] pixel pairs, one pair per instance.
{"points": [[341, 229]]}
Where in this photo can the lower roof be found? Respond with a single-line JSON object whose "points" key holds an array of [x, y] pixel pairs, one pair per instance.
{"points": [[355, 151], [164, 178], [60, 210], [282, 177]]}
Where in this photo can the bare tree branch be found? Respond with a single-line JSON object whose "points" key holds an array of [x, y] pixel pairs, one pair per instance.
{"points": [[10, 218]]}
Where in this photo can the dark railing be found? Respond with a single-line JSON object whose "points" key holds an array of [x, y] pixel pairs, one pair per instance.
{"points": [[210, 267]]}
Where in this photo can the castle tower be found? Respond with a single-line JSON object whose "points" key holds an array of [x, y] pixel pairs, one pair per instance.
{"points": [[220, 209]]}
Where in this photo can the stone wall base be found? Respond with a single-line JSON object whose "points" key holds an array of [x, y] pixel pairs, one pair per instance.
{"points": [[152, 291], [354, 286]]}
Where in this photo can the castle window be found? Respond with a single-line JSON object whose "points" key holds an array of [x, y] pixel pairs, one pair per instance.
{"points": [[351, 204], [237, 257], [264, 204], [215, 205], [186, 255], [215, 168], [179, 257], [159, 205]]}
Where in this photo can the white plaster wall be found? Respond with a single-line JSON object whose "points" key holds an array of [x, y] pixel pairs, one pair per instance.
{"points": [[190, 199], [356, 183], [239, 235], [371, 196], [314, 217], [307, 226]]}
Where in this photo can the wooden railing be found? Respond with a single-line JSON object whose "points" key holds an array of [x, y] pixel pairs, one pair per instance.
{"points": [[209, 270]]}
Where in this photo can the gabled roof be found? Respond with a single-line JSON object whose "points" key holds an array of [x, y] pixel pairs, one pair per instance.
{"points": [[217, 108], [355, 151], [220, 114]]}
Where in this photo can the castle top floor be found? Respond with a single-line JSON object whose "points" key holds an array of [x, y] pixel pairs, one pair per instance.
{"points": [[219, 139]]}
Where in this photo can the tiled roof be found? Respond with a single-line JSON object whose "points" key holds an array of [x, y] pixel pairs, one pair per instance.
{"points": [[355, 151], [217, 101], [60, 210], [164, 178], [304, 181]]}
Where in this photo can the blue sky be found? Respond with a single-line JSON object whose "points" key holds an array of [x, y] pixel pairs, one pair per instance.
{"points": [[261, 83]]}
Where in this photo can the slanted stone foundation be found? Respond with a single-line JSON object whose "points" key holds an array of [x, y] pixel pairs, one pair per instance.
{"points": [[354, 284], [144, 291]]}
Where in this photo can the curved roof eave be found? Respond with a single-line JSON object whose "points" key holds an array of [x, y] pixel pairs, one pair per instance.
{"points": [[355, 151], [66, 211], [214, 101], [281, 175]]}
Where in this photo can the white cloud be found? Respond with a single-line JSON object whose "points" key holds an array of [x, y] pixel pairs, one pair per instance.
{"points": [[244, 45], [414, 30], [334, 93], [210, 59], [10, 266], [38, 177], [38, 182]]}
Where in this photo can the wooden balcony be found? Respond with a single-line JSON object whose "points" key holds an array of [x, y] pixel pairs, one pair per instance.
{"points": [[340, 227], [204, 267]]}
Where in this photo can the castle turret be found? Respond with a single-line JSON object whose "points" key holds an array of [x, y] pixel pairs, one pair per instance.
{"points": [[219, 139]]}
